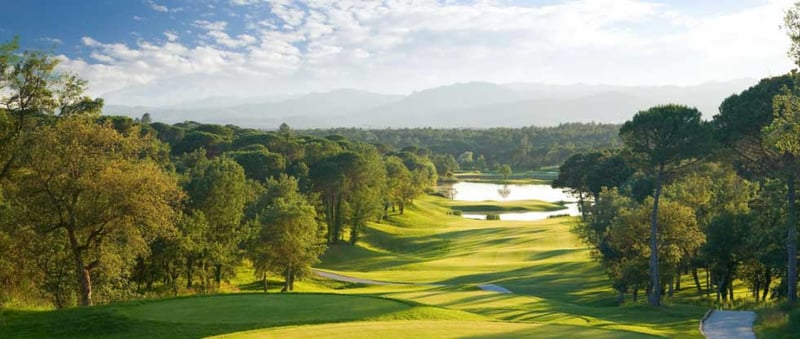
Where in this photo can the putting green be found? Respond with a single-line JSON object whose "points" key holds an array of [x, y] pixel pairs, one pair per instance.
{"points": [[432, 329], [265, 309]]}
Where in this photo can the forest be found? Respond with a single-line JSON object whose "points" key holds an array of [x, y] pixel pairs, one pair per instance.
{"points": [[525, 148], [97, 209]]}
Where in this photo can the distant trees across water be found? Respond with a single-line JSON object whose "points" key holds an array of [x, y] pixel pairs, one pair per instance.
{"points": [[523, 148]]}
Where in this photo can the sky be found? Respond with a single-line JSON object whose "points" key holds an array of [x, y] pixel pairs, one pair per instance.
{"points": [[161, 52]]}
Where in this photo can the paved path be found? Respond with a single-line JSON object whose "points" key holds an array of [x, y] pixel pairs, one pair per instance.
{"points": [[494, 288], [730, 325], [339, 277]]}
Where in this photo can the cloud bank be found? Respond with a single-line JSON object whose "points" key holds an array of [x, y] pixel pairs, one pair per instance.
{"points": [[399, 46]]}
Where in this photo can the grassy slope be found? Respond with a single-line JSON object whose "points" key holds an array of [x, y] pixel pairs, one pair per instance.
{"points": [[201, 316], [559, 291], [553, 278], [780, 321]]}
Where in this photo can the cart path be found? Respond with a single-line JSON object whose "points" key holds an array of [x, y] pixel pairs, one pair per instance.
{"points": [[730, 325], [339, 277]]}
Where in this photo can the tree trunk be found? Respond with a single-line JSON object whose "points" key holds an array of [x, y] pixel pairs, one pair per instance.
{"points": [[285, 280], [189, 271], [291, 279], [696, 280], [84, 279], [767, 282], [654, 298], [264, 280], [670, 288], [218, 274], [756, 286], [791, 241]]}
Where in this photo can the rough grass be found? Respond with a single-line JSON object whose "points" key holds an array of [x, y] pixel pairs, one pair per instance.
{"points": [[778, 322]]}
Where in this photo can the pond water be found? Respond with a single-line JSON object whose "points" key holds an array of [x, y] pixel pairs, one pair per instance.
{"points": [[471, 191]]}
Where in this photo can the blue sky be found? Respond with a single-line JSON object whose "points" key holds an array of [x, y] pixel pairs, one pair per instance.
{"points": [[168, 51]]}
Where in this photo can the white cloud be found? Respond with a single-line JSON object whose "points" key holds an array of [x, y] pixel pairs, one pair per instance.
{"points": [[158, 8], [245, 2], [90, 42], [55, 41], [210, 25], [171, 36], [399, 46]]}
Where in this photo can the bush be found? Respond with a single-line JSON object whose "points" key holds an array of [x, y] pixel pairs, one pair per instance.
{"points": [[455, 212], [492, 216]]}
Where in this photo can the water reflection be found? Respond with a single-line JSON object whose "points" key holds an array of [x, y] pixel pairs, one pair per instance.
{"points": [[473, 191], [469, 191], [504, 192]]}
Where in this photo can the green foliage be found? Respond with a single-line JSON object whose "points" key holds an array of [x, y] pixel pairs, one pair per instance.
{"points": [[218, 189], [665, 136], [289, 237], [523, 148], [505, 171], [660, 141], [87, 183], [791, 21], [260, 164]]}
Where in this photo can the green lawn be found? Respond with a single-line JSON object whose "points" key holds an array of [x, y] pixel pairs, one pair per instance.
{"points": [[558, 292], [551, 273], [433, 329], [200, 316]]}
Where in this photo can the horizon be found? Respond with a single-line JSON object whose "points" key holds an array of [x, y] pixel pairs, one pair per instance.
{"points": [[160, 53]]}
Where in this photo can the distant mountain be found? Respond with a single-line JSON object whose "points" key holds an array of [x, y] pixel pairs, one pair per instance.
{"points": [[310, 110], [474, 104]]}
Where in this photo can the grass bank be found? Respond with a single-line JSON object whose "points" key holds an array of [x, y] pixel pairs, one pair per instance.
{"points": [[522, 178], [503, 206]]}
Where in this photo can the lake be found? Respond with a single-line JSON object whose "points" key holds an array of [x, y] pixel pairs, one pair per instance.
{"points": [[471, 191]]}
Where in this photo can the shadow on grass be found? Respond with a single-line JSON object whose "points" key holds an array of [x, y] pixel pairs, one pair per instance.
{"points": [[563, 331], [193, 317]]}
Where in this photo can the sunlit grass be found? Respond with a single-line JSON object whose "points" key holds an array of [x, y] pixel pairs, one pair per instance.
{"points": [[434, 329], [559, 291], [553, 277]]}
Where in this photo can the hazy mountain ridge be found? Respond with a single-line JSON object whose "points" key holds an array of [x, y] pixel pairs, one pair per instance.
{"points": [[474, 104]]}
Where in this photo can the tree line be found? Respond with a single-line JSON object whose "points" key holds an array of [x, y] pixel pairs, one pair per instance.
{"points": [[684, 196], [100, 208], [525, 148]]}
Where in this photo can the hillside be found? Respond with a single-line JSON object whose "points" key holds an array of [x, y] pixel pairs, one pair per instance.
{"points": [[473, 105]]}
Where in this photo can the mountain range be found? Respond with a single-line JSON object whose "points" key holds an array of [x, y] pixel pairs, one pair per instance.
{"points": [[469, 105]]}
